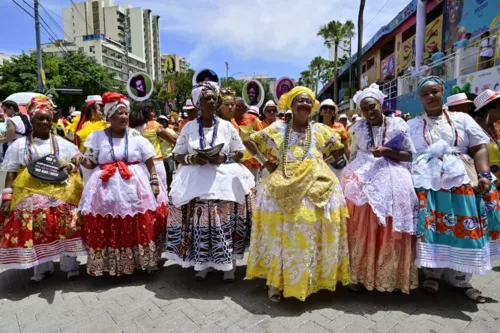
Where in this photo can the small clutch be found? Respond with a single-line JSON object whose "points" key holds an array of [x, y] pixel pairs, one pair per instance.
{"points": [[210, 151]]}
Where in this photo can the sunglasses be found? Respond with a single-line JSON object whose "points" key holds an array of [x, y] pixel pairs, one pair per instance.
{"points": [[328, 107], [271, 110]]}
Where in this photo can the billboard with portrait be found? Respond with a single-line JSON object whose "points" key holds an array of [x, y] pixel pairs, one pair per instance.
{"points": [[253, 93], [169, 66], [205, 75], [283, 85], [140, 86]]}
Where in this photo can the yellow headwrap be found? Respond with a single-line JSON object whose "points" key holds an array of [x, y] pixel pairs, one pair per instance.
{"points": [[39, 103], [285, 102]]}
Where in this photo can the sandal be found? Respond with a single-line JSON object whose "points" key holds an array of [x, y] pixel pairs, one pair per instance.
{"points": [[431, 285], [473, 294], [229, 276], [274, 295], [39, 278], [72, 275]]}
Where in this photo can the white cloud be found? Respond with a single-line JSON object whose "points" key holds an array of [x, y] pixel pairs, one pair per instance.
{"points": [[272, 30]]}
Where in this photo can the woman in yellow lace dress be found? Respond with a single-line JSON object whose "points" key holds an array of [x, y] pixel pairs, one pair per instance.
{"points": [[299, 231]]}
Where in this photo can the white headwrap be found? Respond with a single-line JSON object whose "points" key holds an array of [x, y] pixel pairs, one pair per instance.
{"points": [[371, 91], [200, 88], [112, 101]]}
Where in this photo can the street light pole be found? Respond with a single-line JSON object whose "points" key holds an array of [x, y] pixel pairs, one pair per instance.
{"points": [[227, 71], [38, 47]]}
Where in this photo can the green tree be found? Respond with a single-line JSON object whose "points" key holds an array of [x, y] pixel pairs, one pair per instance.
{"points": [[306, 79], [317, 67], [20, 75], [182, 86], [334, 33]]}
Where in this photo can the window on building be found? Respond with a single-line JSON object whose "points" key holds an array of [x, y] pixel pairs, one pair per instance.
{"points": [[92, 49]]}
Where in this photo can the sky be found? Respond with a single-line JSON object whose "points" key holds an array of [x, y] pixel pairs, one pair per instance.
{"points": [[273, 37]]}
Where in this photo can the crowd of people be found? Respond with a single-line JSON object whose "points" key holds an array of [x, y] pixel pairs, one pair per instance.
{"points": [[316, 204]]}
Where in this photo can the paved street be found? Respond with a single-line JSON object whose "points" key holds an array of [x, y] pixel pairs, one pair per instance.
{"points": [[174, 302]]}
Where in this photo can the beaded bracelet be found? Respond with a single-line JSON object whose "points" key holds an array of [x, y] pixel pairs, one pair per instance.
{"points": [[6, 197], [486, 175], [8, 190], [190, 158], [229, 158]]}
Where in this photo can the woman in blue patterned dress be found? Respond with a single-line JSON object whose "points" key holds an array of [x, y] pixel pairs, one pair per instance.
{"points": [[459, 209]]}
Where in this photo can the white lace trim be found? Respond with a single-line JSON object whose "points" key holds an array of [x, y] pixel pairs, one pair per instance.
{"points": [[199, 266]]}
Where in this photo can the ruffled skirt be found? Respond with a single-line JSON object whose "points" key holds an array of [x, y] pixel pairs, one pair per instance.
{"points": [[302, 252], [380, 258], [38, 230], [209, 233], [458, 229]]}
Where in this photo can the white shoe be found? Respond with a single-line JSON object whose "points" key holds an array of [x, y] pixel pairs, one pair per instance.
{"points": [[201, 275], [72, 275], [40, 277]]}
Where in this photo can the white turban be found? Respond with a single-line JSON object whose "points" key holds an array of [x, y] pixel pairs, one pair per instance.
{"points": [[269, 103], [371, 91], [201, 88]]}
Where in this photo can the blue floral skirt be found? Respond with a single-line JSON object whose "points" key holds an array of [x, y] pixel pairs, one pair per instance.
{"points": [[458, 229]]}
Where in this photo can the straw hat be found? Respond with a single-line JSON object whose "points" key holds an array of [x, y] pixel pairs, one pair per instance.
{"points": [[457, 99], [485, 97]]}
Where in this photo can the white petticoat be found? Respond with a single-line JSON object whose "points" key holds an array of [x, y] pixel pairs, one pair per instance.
{"points": [[228, 182], [119, 197]]}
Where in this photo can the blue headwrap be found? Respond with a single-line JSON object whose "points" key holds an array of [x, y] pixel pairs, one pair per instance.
{"points": [[435, 79]]}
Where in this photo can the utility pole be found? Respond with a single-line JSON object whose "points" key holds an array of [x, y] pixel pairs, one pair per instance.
{"points": [[227, 72], [38, 47]]}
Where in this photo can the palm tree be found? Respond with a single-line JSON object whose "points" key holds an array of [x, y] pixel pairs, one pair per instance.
{"points": [[306, 79], [334, 33], [316, 67], [360, 40]]}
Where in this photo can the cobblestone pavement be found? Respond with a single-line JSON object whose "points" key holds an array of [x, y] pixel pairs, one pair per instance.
{"points": [[173, 302]]}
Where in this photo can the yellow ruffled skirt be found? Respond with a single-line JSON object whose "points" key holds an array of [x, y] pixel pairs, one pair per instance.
{"points": [[302, 251]]}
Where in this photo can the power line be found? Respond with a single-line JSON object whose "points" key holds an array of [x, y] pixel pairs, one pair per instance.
{"points": [[83, 18], [52, 39], [55, 22], [376, 14]]}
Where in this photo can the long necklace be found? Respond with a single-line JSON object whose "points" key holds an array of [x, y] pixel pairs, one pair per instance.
{"points": [[286, 143], [203, 141], [125, 150], [32, 150], [372, 142], [454, 130]]}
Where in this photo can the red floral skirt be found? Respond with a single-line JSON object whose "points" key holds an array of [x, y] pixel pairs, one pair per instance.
{"points": [[119, 245], [31, 237]]}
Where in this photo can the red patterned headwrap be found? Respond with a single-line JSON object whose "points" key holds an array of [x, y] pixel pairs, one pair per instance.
{"points": [[38, 104]]}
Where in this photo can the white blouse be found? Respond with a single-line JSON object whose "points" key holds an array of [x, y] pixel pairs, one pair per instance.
{"points": [[437, 164], [16, 155], [228, 182]]}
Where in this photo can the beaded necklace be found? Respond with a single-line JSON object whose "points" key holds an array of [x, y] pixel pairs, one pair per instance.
{"points": [[125, 150], [454, 130], [32, 151], [203, 141], [371, 144], [286, 142]]}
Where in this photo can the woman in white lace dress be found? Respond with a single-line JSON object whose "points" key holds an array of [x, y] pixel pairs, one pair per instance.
{"points": [[381, 200], [124, 205]]}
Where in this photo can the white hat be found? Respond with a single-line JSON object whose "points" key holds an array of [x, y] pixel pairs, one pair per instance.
{"points": [[163, 117], [288, 112], [457, 99], [343, 116], [354, 117], [281, 112], [329, 102], [253, 110], [97, 98], [189, 105], [485, 97]]}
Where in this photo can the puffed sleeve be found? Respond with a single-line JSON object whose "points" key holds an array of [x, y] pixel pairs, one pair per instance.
{"points": [[328, 140], [474, 132], [12, 159], [92, 144], [147, 149], [68, 149], [266, 139], [181, 147], [235, 142]]}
